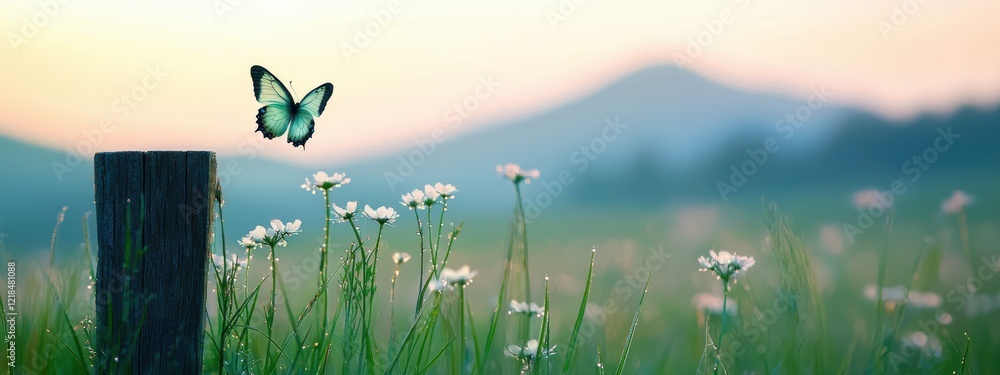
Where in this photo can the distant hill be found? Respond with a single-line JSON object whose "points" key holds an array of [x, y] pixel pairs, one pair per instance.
{"points": [[680, 136]]}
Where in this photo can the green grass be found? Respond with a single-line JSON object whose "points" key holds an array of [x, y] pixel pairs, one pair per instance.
{"points": [[799, 310]]}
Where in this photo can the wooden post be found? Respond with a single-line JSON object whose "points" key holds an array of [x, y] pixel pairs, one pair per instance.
{"points": [[154, 218]]}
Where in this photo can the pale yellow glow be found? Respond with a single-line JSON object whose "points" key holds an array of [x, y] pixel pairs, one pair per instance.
{"points": [[64, 79]]}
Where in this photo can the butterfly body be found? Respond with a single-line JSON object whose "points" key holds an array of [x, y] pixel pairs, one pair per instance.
{"points": [[282, 113]]}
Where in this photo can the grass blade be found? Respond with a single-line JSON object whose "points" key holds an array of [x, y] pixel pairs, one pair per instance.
{"points": [[631, 330], [575, 336], [876, 344]]}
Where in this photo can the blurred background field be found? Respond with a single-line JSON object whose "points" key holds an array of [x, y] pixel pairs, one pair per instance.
{"points": [[662, 131], [635, 202]]}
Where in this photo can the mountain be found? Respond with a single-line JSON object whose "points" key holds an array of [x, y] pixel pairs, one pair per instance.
{"points": [[659, 137]]}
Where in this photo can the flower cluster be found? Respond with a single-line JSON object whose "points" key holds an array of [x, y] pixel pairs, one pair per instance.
{"points": [[872, 199], [345, 213], [514, 173], [414, 200], [232, 262], [929, 346], [400, 258], [324, 182], [273, 236], [248, 242], [956, 202], [451, 278], [527, 309], [725, 264], [896, 294], [381, 215], [421, 199], [528, 352]]}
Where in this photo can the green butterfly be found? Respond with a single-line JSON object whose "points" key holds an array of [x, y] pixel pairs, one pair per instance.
{"points": [[280, 112]]}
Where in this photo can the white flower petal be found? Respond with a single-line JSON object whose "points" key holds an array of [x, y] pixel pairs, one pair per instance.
{"points": [[293, 226], [277, 225]]}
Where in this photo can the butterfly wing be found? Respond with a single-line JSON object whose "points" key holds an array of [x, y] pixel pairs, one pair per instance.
{"points": [[279, 108], [303, 122]]}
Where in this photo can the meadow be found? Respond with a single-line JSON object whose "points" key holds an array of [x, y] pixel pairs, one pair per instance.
{"points": [[411, 288]]}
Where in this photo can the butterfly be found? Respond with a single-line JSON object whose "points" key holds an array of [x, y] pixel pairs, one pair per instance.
{"points": [[281, 113]]}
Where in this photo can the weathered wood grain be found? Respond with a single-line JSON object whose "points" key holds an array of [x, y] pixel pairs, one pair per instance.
{"points": [[154, 217]]}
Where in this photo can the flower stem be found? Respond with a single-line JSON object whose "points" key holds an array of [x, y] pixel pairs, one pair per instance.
{"points": [[392, 308], [269, 312], [963, 231], [524, 242], [420, 287], [444, 208], [461, 327], [722, 327], [522, 225], [224, 288], [430, 246], [323, 267]]}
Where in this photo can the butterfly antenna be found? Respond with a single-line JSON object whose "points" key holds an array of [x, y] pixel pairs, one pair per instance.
{"points": [[294, 94]]}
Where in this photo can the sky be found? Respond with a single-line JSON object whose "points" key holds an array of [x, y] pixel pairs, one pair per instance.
{"points": [[119, 75]]}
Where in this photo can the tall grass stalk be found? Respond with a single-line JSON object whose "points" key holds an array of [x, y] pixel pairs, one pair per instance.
{"points": [[543, 336], [574, 337], [461, 328], [722, 327], [631, 330], [806, 313], [55, 233], [877, 335], [501, 297]]}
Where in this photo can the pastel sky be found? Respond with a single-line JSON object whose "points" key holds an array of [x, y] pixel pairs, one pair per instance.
{"points": [[65, 65]]}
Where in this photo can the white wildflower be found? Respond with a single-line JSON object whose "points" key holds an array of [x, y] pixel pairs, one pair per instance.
{"points": [[525, 308], [345, 213], [956, 202], [446, 191], [872, 198], [414, 200], [400, 258], [322, 181], [725, 264], [462, 277], [514, 173], [528, 352], [381, 215], [430, 195]]}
